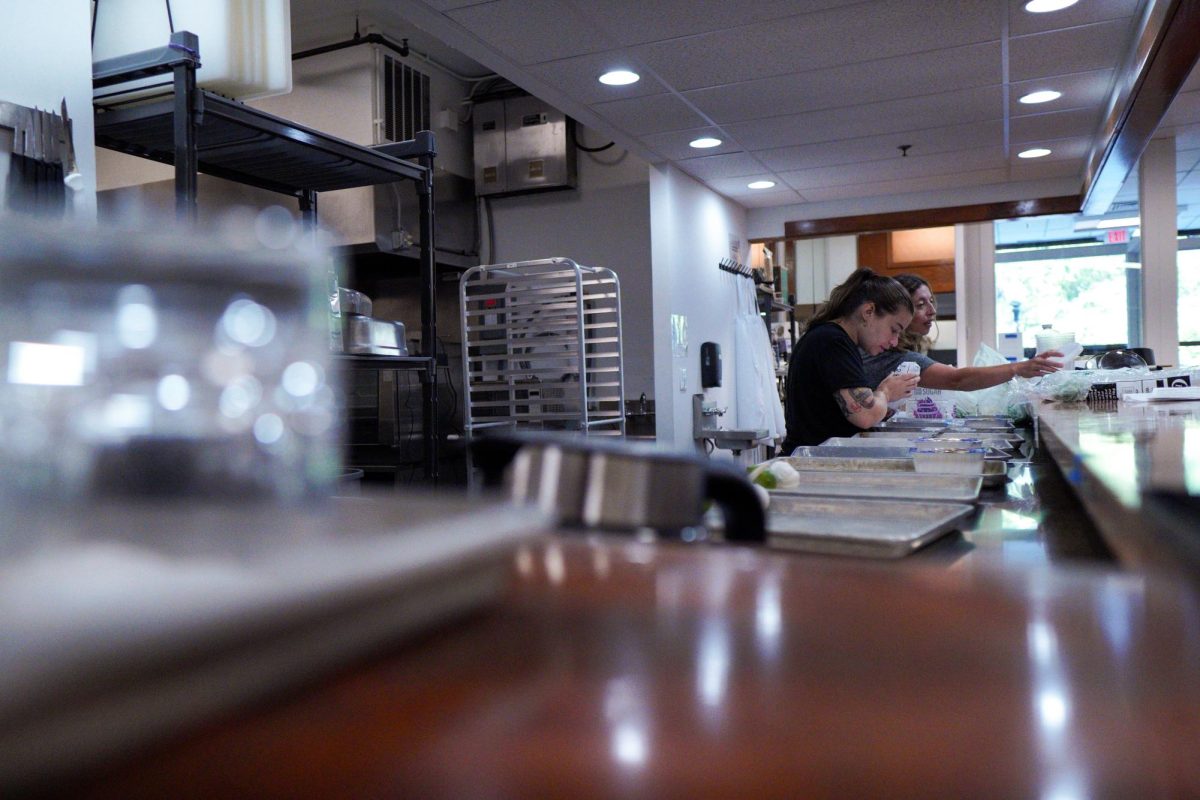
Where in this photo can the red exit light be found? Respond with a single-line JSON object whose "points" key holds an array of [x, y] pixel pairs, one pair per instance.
{"points": [[1117, 236]]}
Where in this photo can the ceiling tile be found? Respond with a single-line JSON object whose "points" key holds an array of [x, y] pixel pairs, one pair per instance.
{"points": [[731, 165], [853, 84], [1092, 47], [579, 77], [1021, 22], [674, 144], [1184, 110], [896, 168], [1081, 90], [1039, 168], [768, 198], [734, 187], [447, 5], [904, 186], [655, 114], [531, 31], [1060, 149], [819, 40], [638, 23], [1054, 125], [967, 105], [881, 148]]}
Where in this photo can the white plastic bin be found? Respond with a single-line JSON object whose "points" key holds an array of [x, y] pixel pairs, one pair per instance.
{"points": [[245, 45]]}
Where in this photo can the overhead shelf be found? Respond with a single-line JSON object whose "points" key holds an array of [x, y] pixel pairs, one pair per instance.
{"points": [[250, 146]]}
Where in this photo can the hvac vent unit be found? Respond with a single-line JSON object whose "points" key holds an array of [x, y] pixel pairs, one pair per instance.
{"points": [[522, 145], [405, 101]]}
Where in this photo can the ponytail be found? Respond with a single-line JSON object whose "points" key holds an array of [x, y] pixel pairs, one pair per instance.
{"points": [[863, 286]]}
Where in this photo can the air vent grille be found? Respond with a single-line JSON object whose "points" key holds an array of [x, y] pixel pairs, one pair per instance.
{"points": [[405, 101]]}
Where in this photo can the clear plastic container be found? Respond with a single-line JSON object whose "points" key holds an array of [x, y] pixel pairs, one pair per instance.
{"points": [[162, 365], [955, 462]]}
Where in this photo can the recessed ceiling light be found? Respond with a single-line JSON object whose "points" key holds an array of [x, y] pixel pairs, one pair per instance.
{"points": [[1044, 96], [1033, 152], [760, 184], [704, 142], [1042, 6], [620, 77]]}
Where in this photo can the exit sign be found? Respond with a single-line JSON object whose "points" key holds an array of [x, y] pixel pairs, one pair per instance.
{"points": [[1117, 236]]}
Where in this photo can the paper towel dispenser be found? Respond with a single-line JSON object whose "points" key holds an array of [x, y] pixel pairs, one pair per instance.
{"points": [[710, 365]]}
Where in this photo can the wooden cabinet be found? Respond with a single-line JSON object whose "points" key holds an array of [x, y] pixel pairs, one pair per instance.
{"points": [[928, 252]]}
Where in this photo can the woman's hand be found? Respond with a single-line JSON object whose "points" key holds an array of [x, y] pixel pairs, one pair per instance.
{"points": [[897, 387], [1038, 365]]}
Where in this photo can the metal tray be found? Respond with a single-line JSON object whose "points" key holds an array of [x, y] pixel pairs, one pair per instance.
{"points": [[907, 486], [1001, 440], [995, 473], [872, 528], [878, 449]]}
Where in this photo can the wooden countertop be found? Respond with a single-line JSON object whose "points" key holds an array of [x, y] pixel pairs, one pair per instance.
{"points": [[1136, 467], [614, 667]]}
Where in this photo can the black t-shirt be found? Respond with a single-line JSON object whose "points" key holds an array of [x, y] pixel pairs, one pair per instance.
{"points": [[825, 360]]}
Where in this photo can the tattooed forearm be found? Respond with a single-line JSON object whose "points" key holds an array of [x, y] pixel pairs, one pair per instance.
{"points": [[853, 401]]}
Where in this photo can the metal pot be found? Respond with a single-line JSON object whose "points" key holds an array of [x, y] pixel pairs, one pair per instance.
{"points": [[615, 485]]}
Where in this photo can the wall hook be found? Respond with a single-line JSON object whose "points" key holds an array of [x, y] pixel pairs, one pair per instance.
{"points": [[904, 150]]}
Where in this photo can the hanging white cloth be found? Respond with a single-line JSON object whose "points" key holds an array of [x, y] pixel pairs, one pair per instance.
{"points": [[758, 403]]}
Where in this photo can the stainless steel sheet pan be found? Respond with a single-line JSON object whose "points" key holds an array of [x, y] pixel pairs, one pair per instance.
{"points": [[895, 485], [995, 473], [870, 528]]}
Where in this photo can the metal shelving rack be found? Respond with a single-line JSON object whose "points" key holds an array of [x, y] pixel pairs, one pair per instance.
{"points": [[542, 347], [198, 131]]}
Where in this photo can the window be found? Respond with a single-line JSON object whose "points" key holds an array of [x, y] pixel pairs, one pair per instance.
{"points": [[1189, 300], [1080, 282]]}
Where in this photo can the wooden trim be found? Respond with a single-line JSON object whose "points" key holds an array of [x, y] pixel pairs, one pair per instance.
{"points": [[929, 217], [1168, 48]]}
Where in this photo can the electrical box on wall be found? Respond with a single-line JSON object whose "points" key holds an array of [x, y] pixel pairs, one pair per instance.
{"points": [[522, 145]]}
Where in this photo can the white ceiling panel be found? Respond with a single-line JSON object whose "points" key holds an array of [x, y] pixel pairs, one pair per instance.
{"points": [[967, 105], [737, 187], [906, 186], [769, 198], [447, 5], [654, 114], [853, 84], [531, 31], [819, 40], [1081, 90], [1054, 125], [1038, 168], [815, 95], [896, 168], [1021, 22], [674, 144], [670, 19], [732, 165], [579, 77], [1185, 109], [1083, 49], [882, 148]]}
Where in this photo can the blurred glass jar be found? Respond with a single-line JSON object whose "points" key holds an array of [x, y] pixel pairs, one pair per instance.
{"points": [[163, 364]]}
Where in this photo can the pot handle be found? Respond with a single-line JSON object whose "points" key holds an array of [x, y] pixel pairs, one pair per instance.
{"points": [[745, 520]]}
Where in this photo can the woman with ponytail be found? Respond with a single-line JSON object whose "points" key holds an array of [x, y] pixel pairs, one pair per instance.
{"points": [[914, 343], [828, 393]]}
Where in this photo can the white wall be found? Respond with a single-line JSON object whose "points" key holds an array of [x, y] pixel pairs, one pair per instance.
{"points": [[691, 229], [605, 222], [46, 55]]}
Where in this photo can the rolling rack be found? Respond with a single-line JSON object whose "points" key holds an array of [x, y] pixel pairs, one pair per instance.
{"points": [[199, 131], [542, 347]]}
